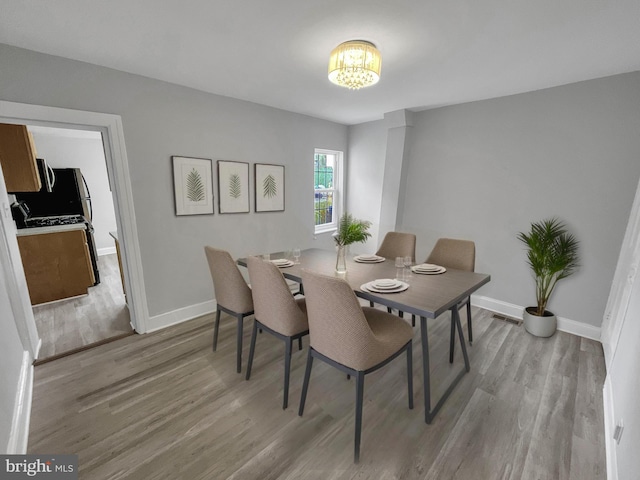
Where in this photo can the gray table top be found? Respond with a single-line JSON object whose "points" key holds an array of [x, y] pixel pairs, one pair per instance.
{"points": [[427, 296]]}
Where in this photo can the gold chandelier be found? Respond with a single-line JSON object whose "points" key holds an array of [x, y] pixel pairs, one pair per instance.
{"points": [[355, 64]]}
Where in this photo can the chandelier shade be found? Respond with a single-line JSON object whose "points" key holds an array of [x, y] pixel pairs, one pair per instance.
{"points": [[355, 64]]}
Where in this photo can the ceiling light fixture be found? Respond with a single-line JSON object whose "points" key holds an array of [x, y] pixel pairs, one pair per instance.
{"points": [[355, 64]]}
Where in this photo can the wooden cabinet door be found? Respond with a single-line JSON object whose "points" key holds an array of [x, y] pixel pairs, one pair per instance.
{"points": [[18, 159], [56, 265]]}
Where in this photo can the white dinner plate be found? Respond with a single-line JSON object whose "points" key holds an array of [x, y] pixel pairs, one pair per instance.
{"points": [[370, 288], [385, 283], [368, 259], [428, 272], [282, 263]]}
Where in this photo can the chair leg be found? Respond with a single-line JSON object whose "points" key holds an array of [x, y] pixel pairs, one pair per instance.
{"points": [[410, 375], [252, 349], [469, 321], [359, 401], [371, 304], [389, 310], [305, 383], [299, 343], [216, 326], [401, 314], [239, 342], [413, 320], [287, 370], [451, 340]]}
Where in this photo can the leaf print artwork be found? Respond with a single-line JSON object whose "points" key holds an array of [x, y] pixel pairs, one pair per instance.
{"points": [[195, 186], [269, 187], [235, 189]]}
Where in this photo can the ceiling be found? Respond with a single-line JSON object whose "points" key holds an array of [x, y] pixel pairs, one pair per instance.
{"points": [[275, 52]]}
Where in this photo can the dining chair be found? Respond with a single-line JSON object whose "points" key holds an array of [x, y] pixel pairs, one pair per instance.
{"points": [[459, 255], [355, 340], [233, 295], [276, 312], [397, 244]]}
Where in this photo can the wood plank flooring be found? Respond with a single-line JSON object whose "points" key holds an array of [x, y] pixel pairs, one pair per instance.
{"points": [[164, 406], [69, 324]]}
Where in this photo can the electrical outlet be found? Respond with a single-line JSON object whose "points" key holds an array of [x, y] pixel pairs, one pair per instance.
{"points": [[617, 434]]}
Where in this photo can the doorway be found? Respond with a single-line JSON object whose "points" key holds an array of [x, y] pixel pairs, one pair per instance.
{"points": [[110, 127], [73, 324]]}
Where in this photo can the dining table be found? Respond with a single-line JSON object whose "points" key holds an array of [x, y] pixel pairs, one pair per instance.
{"points": [[427, 297]]}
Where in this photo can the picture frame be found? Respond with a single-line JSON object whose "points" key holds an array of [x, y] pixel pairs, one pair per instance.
{"points": [[269, 187], [193, 185], [233, 187]]}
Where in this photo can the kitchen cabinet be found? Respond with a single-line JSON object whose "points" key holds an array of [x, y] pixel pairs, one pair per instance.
{"points": [[18, 159], [56, 262]]}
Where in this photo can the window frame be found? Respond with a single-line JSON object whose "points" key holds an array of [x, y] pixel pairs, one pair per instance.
{"points": [[337, 190]]}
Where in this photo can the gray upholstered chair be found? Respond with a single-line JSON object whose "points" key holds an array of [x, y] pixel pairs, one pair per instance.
{"points": [[276, 312], [233, 295], [353, 339], [459, 255], [397, 244]]}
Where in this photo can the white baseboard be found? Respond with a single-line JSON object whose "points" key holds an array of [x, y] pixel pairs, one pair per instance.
{"points": [[180, 315], [609, 427], [19, 435], [106, 251], [515, 311]]}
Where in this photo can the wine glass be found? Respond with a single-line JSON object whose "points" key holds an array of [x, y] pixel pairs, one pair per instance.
{"points": [[407, 263], [399, 268], [296, 256]]}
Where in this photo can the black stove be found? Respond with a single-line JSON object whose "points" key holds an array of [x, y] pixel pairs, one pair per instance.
{"points": [[53, 221]]}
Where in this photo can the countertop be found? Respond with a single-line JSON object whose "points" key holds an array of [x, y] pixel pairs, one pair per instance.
{"points": [[23, 232]]}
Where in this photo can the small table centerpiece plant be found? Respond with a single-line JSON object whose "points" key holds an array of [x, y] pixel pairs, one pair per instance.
{"points": [[552, 254], [350, 230]]}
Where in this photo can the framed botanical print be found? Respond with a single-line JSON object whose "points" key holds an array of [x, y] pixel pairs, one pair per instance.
{"points": [[269, 187], [193, 185], [233, 187]]}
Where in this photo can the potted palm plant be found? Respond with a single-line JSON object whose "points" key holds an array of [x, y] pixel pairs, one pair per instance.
{"points": [[350, 230], [552, 254]]}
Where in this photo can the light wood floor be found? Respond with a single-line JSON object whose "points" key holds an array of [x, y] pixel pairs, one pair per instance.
{"points": [[164, 406], [70, 324]]}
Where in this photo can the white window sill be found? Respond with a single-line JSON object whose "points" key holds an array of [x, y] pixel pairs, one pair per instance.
{"points": [[327, 229]]}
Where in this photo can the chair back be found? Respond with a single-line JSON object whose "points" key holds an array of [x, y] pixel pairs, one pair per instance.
{"points": [[231, 290], [273, 301], [398, 244], [453, 253], [338, 327]]}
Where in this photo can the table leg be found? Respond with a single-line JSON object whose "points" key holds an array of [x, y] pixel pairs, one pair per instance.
{"points": [[425, 370], [456, 317]]}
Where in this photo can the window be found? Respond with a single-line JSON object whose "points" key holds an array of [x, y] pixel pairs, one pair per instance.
{"points": [[327, 188]]}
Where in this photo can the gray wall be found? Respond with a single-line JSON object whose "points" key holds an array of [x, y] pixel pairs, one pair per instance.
{"points": [[486, 170], [161, 120], [76, 150]]}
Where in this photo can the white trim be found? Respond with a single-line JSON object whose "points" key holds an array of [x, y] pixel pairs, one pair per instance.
{"points": [[118, 170], [180, 315], [19, 435], [106, 251], [609, 427], [511, 310]]}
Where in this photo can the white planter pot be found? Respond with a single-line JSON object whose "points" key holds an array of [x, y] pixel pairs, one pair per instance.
{"points": [[539, 326]]}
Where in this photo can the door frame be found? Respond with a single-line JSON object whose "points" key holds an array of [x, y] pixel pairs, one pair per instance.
{"points": [[110, 126]]}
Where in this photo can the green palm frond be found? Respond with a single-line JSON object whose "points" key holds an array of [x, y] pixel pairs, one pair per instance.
{"points": [[235, 189], [351, 230], [269, 186], [195, 186], [552, 254]]}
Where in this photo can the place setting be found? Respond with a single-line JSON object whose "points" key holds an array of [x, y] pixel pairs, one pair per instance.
{"points": [[385, 285], [282, 262], [368, 258], [428, 269]]}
